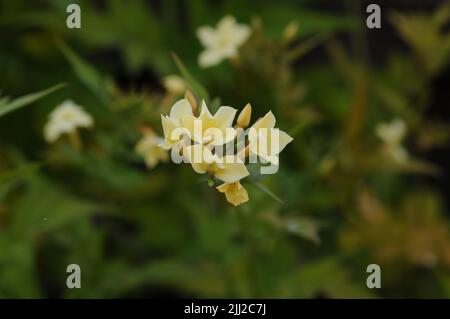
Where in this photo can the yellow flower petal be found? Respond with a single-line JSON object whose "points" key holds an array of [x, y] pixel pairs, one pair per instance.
{"points": [[224, 116], [267, 141], [189, 124], [195, 155], [233, 169], [268, 121], [204, 112], [226, 135], [181, 109], [199, 153], [284, 139], [235, 193], [213, 129], [168, 125]]}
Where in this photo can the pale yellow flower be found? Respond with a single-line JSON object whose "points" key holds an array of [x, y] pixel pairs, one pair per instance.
{"points": [[174, 84], [263, 139], [65, 119], [180, 110], [392, 134], [235, 193], [222, 42], [228, 169], [215, 129], [148, 147]]}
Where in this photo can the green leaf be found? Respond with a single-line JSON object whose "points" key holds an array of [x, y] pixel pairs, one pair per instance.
{"points": [[19, 172], [307, 45], [198, 90], [303, 227], [44, 207], [264, 189], [427, 35], [87, 74], [328, 276], [214, 105], [7, 106]]}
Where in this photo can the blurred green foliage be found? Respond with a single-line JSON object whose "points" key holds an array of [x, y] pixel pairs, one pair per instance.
{"points": [[163, 232]]}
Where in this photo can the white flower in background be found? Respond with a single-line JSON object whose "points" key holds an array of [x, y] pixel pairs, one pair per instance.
{"points": [[174, 84], [148, 147], [392, 135], [65, 119], [222, 42]]}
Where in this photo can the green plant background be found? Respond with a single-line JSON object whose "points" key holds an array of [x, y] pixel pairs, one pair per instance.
{"points": [[163, 232]]}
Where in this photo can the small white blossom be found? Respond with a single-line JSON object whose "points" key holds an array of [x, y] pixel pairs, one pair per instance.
{"points": [[392, 134], [65, 119], [222, 42]]}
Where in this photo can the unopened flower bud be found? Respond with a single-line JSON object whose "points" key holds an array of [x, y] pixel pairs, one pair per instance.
{"points": [[145, 130], [191, 99], [290, 31], [245, 116], [174, 84]]}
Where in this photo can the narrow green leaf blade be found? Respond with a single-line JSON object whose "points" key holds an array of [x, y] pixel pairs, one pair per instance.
{"points": [[87, 74], [25, 100], [19, 172], [199, 91], [264, 189]]}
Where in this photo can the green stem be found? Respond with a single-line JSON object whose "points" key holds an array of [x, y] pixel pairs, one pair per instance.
{"points": [[75, 140]]}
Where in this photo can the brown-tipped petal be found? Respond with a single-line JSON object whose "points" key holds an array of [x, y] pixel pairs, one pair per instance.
{"points": [[145, 130], [191, 98]]}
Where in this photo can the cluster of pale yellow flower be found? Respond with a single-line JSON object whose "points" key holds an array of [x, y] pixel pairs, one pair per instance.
{"points": [[197, 137]]}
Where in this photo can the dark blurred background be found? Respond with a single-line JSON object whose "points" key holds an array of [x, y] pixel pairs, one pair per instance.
{"points": [[162, 232]]}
